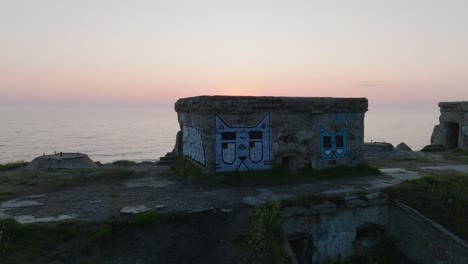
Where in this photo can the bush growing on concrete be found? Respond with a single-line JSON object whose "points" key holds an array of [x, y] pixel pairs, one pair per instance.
{"points": [[265, 236], [433, 148]]}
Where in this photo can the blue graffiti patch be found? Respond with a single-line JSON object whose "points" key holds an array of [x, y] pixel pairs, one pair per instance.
{"points": [[333, 145]]}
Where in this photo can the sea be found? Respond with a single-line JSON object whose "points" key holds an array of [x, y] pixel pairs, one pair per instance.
{"points": [[145, 133]]}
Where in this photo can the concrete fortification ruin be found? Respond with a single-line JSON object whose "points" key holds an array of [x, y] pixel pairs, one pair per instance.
{"points": [[452, 131], [61, 161], [244, 133]]}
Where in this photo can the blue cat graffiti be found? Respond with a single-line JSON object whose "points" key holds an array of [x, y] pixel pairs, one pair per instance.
{"points": [[193, 144], [333, 145], [242, 148]]}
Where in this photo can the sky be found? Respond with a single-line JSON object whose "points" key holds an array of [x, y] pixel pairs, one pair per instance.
{"points": [[154, 52]]}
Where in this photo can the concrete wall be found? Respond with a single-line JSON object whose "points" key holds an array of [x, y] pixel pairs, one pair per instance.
{"points": [[452, 131], [257, 133], [329, 235], [323, 232], [423, 240]]}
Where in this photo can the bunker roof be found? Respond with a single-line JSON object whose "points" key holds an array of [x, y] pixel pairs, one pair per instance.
{"points": [[461, 106], [250, 104]]}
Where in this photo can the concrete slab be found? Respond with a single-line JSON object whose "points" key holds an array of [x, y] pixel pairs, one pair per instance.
{"points": [[400, 173], [16, 203], [341, 190], [29, 219], [134, 209], [458, 168], [264, 196]]}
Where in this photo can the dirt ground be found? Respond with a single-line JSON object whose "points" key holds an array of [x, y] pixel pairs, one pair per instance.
{"points": [[203, 224], [147, 187]]}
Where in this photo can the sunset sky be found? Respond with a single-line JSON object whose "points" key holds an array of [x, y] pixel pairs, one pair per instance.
{"points": [[153, 52]]}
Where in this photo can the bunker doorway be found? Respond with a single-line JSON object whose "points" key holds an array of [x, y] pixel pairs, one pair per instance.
{"points": [[451, 135], [289, 163]]}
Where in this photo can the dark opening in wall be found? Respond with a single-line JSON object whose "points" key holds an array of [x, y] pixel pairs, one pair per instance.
{"points": [[451, 135], [303, 248], [289, 163]]}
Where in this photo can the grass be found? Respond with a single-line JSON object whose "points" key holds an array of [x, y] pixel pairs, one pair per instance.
{"points": [[458, 155], [13, 165], [23, 183], [433, 148], [186, 170], [19, 242], [442, 198], [124, 163], [143, 219], [73, 242]]}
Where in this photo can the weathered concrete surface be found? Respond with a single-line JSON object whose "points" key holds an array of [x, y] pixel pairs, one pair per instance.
{"points": [[452, 130], [238, 133], [331, 231], [61, 161], [29, 219], [326, 231], [134, 209], [250, 104], [423, 240], [457, 168]]}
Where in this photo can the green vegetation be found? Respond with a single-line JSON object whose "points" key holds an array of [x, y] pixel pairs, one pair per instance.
{"points": [[13, 165], [265, 236], [442, 198], [20, 242], [59, 242], [458, 155], [433, 148], [186, 170], [143, 219], [23, 183], [124, 163], [103, 233]]}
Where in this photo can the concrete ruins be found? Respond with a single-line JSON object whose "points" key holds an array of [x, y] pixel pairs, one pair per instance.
{"points": [[242, 133], [452, 131], [61, 161]]}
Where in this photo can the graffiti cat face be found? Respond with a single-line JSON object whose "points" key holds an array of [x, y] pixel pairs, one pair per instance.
{"points": [[333, 145], [242, 148]]}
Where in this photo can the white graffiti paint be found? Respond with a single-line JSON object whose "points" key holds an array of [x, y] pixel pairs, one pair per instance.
{"points": [[193, 144], [464, 130]]}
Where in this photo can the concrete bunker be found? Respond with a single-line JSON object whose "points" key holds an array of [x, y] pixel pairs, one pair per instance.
{"points": [[246, 133], [452, 130], [61, 161]]}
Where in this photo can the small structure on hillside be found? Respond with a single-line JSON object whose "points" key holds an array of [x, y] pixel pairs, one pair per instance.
{"points": [[61, 161], [452, 131], [243, 133]]}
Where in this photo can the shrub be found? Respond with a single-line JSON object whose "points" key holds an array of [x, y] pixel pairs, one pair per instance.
{"points": [[124, 163], [13, 165], [102, 233], [433, 148], [265, 236]]}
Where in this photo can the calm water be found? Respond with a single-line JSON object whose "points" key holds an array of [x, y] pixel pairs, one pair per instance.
{"points": [[145, 133]]}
